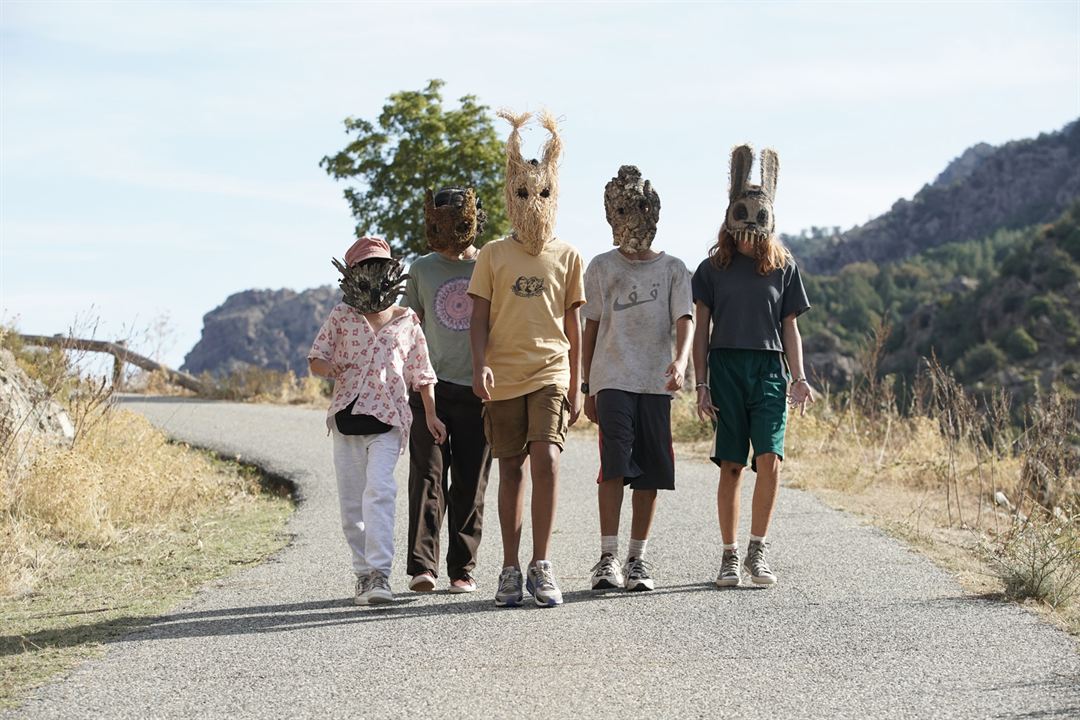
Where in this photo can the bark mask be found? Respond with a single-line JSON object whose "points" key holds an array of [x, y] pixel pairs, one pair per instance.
{"points": [[750, 207], [632, 207], [532, 186], [371, 285], [453, 219]]}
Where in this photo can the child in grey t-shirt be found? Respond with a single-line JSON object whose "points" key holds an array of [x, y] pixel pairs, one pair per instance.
{"points": [[634, 296]]}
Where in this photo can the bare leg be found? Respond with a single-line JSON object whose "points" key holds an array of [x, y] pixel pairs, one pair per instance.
{"points": [[765, 486], [727, 500], [644, 502], [610, 495], [544, 461], [511, 506]]}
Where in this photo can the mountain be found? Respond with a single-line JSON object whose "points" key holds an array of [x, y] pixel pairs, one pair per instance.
{"points": [[987, 188], [266, 328]]}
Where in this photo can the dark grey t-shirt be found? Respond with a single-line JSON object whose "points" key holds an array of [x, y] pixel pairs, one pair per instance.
{"points": [[747, 307]]}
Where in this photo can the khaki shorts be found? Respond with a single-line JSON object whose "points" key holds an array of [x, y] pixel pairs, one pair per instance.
{"points": [[540, 416]]}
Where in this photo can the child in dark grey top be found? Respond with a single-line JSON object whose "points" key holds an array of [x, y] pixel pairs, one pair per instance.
{"points": [[748, 295]]}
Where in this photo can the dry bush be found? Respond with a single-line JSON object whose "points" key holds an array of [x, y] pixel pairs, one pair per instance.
{"points": [[122, 482], [685, 425], [256, 384], [1039, 558]]}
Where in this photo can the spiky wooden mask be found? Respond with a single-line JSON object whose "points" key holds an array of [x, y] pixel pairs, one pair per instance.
{"points": [[750, 207], [532, 186], [371, 285], [632, 208], [453, 218]]}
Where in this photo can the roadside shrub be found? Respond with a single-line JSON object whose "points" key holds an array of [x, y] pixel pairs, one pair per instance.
{"points": [[981, 359], [1039, 558], [1019, 344]]}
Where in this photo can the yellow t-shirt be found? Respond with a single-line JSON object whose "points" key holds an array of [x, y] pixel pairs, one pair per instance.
{"points": [[527, 346]]}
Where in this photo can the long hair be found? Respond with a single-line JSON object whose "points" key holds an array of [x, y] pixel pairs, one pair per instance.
{"points": [[770, 255]]}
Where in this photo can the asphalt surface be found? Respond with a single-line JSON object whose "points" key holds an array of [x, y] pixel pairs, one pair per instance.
{"points": [[859, 625]]}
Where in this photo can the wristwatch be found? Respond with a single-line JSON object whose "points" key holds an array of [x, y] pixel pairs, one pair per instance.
{"points": [[585, 388]]}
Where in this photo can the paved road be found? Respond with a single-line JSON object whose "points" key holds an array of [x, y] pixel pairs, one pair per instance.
{"points": [[858, 627]]}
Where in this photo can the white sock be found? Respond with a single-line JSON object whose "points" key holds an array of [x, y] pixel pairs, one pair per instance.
{"points": [[609, 544], [637, 548], [730, 546], [755, 538]]}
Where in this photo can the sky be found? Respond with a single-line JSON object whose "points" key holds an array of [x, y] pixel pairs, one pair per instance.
{"points": [[156, 157]]}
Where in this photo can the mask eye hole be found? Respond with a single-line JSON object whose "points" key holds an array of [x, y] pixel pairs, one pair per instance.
{"points": [[546, 192], [522, 193], [762, 217], [643, 206], [740, 212], [620, 210]]}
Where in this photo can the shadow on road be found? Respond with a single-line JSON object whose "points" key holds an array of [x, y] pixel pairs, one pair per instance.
{"points": [[287, 617]]}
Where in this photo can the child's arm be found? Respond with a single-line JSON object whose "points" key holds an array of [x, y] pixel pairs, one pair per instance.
{"points": [[801, 393], [703, 316], [320, 367], [588, 348], [572, 328], [483, 379], [434, 424], [320, 357], [677, 369]]}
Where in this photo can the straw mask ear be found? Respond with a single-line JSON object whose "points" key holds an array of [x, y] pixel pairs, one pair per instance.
{"points": [[553, 147], [770, 168], [742, 159], [513, 143]]}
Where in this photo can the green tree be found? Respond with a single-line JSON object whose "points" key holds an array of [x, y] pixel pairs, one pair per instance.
{"points": [[415, 144]]}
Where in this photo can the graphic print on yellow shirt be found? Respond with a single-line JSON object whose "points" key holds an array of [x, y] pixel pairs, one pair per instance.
{"points": [[527, 346]]}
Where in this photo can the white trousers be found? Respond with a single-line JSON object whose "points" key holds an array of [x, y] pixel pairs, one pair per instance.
{"points": [[364, 465]]}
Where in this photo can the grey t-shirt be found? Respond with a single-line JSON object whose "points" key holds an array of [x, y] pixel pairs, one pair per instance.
{"points": [[747, 308], [437, 291], [636, 303]]}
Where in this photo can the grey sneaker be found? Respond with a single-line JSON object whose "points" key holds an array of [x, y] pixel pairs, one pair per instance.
{"points": [[729, 569], [606, 574], [376, 590], [542, 585], [509, 593], [361, 588], [757, 566], [637, 575]]}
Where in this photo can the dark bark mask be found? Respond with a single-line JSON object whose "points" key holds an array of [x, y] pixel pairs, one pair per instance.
{"points": [[632, 207], [750, 207], [453, 219], [372, 285]]}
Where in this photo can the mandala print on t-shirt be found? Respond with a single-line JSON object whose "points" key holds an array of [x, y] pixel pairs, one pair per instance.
{"points": [[453, 306]]}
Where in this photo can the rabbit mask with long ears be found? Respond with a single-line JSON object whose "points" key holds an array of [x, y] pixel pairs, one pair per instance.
{"points": [[750, 207], [532, 186], [453, 218], [632, 208]]}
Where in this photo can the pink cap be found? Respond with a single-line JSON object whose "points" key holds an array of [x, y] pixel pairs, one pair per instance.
{"points": [[365, 248]]}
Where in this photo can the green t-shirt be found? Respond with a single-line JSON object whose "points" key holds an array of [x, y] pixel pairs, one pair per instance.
{"points": [[437, 291]]}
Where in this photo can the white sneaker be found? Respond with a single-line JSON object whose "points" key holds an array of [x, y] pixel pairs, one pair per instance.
{"points": [[637, 575], [541, 583], [424, 582], [606, 574], [376, 590]]}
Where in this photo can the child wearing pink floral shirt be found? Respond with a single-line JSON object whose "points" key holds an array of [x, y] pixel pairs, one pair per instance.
{"points": [[375, 352]]}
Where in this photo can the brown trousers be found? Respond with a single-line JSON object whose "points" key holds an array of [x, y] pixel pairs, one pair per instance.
{"points": [[447, 479]]}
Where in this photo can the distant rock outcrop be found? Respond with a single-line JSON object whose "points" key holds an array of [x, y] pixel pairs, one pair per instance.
{"points": [[266, 328], [1015, 185]]}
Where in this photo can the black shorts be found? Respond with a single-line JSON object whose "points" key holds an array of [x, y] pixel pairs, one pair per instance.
{"points": [[635, 439]]}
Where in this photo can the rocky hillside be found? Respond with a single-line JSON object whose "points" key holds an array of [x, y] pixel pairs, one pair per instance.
{"points": [[266, 328], [987, 188]]}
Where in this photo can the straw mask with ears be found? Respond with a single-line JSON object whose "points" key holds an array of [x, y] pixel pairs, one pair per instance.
{"points": [[632, 208], [750, 207], [453, 218], [532, 186]]}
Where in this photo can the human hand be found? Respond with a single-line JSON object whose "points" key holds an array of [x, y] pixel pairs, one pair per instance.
{"points": [[674, 374], [800, 394], [705, 409], [574, 398], [483, 383], [437, 429], [590, 408]]}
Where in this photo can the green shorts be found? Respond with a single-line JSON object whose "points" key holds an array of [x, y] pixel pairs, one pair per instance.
{"points": [[749, 391]]}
